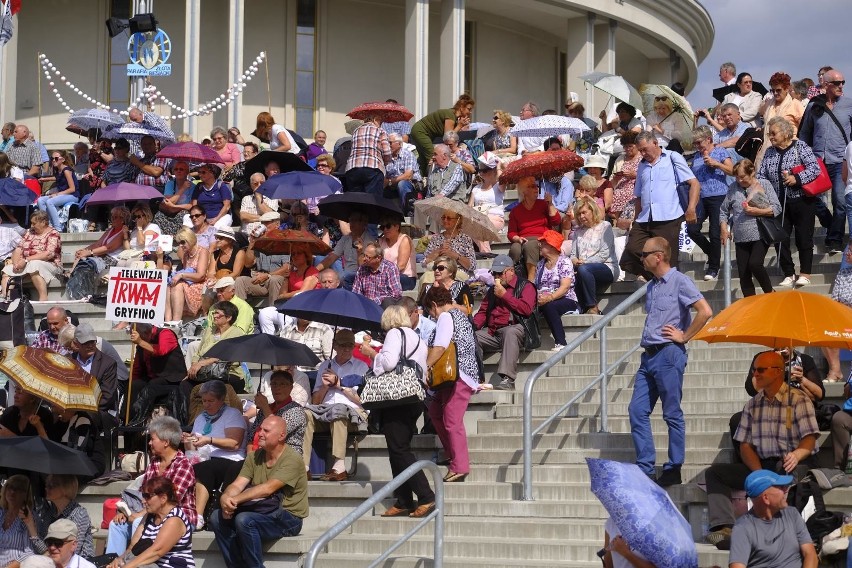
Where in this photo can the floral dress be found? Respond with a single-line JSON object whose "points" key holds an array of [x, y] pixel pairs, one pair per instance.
{"points": [[192, 290], [548, 280]]}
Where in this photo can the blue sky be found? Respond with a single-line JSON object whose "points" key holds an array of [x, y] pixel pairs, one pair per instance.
{"points": [[765, 36]]}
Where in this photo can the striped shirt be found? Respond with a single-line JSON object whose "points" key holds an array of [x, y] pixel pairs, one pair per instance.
{"points": [[47, 514], [370, 148], [764, 422], [183, 476], [180, 555], [14, 542]]}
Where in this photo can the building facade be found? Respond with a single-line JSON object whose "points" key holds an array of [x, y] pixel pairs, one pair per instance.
{"points": [[324, 57]]}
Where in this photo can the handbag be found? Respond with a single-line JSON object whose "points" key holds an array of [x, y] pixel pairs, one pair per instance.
{"points": [[821, 184], [842, 289], [770, 229], [399, 386], [217, 371], [261, 505], [445, 372]]}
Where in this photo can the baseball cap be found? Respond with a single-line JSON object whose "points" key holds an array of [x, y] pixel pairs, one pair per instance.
{"points": [[63, 529], [223, 282], [501, 262], [84, 333], [759, 481]]}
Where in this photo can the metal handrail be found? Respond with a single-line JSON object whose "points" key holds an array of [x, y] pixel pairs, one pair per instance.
{"points": [[726, 271], [599, 326], [367, 506]]}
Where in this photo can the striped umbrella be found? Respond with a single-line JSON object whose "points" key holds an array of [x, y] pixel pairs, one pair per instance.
{"points": [[52, 377]]}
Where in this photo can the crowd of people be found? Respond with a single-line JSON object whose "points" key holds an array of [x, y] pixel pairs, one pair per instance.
{"points": [[570, 235]]}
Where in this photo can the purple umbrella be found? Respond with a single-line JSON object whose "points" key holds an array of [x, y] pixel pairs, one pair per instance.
{"points": [[191, 152], [15, 194], [299, 185], [123, 191]]}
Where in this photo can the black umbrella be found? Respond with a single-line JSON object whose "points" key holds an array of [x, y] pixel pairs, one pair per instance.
{"points": [[34, 453], [265, 349], [15, 194], [342, 205], [286, 161], [720, 93]]}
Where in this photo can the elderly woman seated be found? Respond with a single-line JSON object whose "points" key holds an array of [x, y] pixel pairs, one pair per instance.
{"points": [[445, 269], [214, 196], [60, 502], [205, 368], [453, 243], [554, 279], [593, 253], [219, 439], [39, 256], [281, 385], [527, 223], [254, 205], [145, 234]]}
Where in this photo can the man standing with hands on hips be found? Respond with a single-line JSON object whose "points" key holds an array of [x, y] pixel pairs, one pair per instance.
{"points": [[671, 296]]}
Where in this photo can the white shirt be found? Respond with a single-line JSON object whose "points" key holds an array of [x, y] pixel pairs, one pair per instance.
{"points": [[335, 395], [301, 387], [274, 142], [231, 418]]}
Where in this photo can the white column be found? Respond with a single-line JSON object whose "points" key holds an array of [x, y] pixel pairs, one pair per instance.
{"points": [[236, 15], [9, 74], [452, 51], [137, 84], [590, 62], [417, 56], [191, 58], [610, 51]]}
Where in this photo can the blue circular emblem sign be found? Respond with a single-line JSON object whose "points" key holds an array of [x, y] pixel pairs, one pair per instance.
{"points": [[148, 53]]}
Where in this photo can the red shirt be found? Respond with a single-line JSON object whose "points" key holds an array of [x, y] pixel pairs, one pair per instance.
{"points": [[533, 222]]}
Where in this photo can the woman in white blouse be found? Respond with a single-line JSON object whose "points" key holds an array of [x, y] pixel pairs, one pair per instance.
{"points": [[593, 253], [487, 197]]}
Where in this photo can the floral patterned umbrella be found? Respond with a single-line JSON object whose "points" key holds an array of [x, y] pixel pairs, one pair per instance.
{"points": [[475, 224], [542, 165], [389, 112], [644, 514], [86, 119], [52, 377], [549, 125]]}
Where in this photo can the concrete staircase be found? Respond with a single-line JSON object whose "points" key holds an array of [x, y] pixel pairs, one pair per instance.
{"points": [[486, 524]]}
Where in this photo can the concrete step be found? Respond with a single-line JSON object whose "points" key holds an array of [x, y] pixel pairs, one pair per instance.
{"points": [[582, 442], [619, 409], [577, 456], [591, 424]]}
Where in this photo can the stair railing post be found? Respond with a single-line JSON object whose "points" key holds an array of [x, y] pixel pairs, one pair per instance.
{"points": [[726, 272], [604, 381]]}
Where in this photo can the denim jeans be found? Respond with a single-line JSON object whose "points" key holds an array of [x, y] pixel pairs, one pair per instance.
{"points": [[241, 538], [838, 205], [712, 247], [52, 205], [119, 535], [368, 180], [660, 377], [589, 275]]}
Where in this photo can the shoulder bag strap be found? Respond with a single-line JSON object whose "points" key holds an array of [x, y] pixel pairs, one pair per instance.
{"points": [[837, 122]]}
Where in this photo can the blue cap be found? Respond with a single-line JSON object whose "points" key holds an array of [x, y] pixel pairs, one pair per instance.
{"points": [[759, 481]]}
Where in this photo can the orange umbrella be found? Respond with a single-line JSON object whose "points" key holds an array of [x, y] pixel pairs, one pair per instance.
{"points": [[782, 319], [278, 241], [52, 377]]}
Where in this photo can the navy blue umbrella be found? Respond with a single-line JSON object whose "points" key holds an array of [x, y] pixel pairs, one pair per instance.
{"points": [[299, 185], [15, 194], [338, 307]]}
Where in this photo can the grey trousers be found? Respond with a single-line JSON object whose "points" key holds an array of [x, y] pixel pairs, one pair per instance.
{"points": [[508, 341], [841, 425], [244, 288]]}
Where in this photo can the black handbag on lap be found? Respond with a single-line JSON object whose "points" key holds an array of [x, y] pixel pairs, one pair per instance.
{"points": [[770, 229]]}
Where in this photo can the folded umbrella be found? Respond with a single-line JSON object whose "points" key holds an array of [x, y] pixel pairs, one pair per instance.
{"points": [[52, 377], [299, 185], [15, 194], [264, 349], [191, 152], [34, 453], [338, 308], [341, 206], [286, 161], [123, 191]]}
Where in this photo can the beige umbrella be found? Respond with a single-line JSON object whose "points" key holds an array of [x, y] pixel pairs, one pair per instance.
{"points": [[475, 224], [679, 121]]}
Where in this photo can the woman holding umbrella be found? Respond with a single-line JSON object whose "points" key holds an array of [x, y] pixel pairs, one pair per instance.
{"points": [[452, 243], [39, 255], [435, 124], [104, 252], [177, 201], [224, 316], [26, 417]]}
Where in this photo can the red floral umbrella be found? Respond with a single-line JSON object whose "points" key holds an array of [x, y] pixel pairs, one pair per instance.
{"points": [[389, 112], [191, 152], [541, 165], [284, 241]]}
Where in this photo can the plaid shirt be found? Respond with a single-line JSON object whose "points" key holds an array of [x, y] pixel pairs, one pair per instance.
{"points": [[24, 154], [370, 148], [183, 476], [402, 162], [50, 342], [378, 285], [439, 185], [160, 181], [763, 424]]}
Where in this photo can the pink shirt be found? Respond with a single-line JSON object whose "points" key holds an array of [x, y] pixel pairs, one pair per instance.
{"points": [[231, 154]]}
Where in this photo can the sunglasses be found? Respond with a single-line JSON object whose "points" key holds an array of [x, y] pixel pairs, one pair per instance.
{"points": [[644, 254], [764, 369], [836, 83], [56, 158], [663, 98], [147, 496], [386, 226], [323, 166], [448, 218], [497, 274], [438, 267], [196, 216], [776, 91], [180, 243], [496, 118], [55, 542]]}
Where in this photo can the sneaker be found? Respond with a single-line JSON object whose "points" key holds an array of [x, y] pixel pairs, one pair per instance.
{"points": [[721, 538], [834, 248], [123, 508], [669, 477], [557, 348], [506, 384], [711, 275], [788, 282], [802, 281]]}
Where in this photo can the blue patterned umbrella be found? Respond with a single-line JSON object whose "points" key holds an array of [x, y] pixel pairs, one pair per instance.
{"points": [[643, 513]]}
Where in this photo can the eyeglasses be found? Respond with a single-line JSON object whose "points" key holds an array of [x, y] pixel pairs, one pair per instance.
{"points": [[323, 166], [644, 254], [196, 215], [776, 91], [367, 257], [219, 138], [438, 267], [180, 243], [218, 314], [57, 543], [836, 83], [764, 369], [662, 98]]}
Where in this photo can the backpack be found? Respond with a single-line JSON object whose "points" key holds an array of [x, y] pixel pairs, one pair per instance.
{"points": [[822, 522], [300, 142], [530, 323]]}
